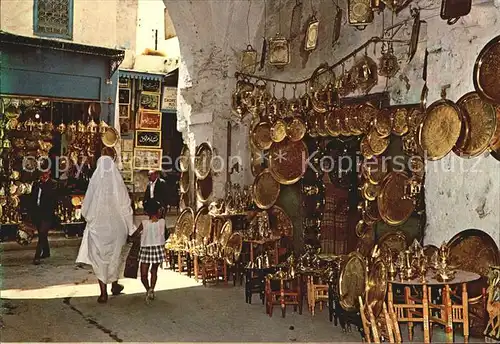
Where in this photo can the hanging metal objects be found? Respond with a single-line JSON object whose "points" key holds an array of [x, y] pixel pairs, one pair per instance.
{"points": [[248, 63], [360, 13], [311, 40], [279, 51]]}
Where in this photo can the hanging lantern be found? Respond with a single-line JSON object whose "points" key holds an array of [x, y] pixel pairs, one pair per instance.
{"points": [[92, 127], [102, 127], [248, 60], [279, 51], [72, 127], [312, 35], [81, 127]]}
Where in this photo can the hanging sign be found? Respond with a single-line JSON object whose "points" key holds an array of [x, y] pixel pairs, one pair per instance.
{"points": [[148, 139], [169, 100]]}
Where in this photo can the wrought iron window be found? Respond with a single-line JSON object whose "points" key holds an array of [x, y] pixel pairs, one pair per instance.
{"points": [[53, 18]]}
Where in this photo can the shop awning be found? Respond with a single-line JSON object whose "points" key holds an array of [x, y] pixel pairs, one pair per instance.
{"points": [[132, 74]]}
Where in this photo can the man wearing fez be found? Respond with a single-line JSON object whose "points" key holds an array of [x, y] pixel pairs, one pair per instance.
{"points": [[43, 203], [156, 190]]}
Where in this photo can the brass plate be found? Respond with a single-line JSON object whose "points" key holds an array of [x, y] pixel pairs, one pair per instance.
{"points": [[376, 287], [400, 122], [203, 161], [256, 161], [184, 159], [332, 123], [394, 209], [278, 131], [110, 137], [392, 243], [184, 225], [366, 114], [352, 281], [365, 148], [375, 170], [370, 191], [204, 188], [109, 151], [495, 141], [280, 222], [225, 233], [440, 129], [233, 248], [487, 70], [371, 210], [261, 136], [473, 250], [202, 224], [481, 121], [378, 144], [265, 190], [321, 125], [184, 182], [287, 161], [296, 129], [366, 243], [361, 228]]}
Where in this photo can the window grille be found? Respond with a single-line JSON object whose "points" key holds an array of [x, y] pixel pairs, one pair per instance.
{"points": [[53, 18]]}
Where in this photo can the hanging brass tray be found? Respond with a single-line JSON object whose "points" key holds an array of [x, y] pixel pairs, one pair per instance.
{"points": [[233, 248], [280, 222], [225, 233], [481, 124], [371, 210], [392, 243], [375, 170], [296, 129], [204, 189], [184, 159], [266, 190], [110, 137], [370, 191], [261, 136], [365, 148], [184, 225], [473, 250], [366, 114], [495, 141], [440, 129], [394, 208], [109, 151], [487, 70], [378, 144], [278, 130], [287, 161], [184, 182], [203, 225], [400, 122], [376, 287], [332, 123], [256, 163], [352, 281], [366, 242], [203, 161]]}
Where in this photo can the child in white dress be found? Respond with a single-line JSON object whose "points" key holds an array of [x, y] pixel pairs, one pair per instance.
{"points": [[152, 252]]}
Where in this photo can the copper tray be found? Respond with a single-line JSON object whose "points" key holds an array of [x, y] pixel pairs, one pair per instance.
{"points": [[184, 159], [280, 222], [376, 287], [393, 207], [202, 224], [184, 182], [481, 125], [278, 130], [184, 225], [296, 129], [352, 281], [487, 70], [261, 136], [392, 243], [203, 161], [266, 190], [473, 250], [225, 233], [204, 189], [287, 161], [440, 129]]}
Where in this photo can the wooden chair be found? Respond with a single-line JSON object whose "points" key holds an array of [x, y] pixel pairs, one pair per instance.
{"points": [[316, 293], [288, 292], [385, 328]]}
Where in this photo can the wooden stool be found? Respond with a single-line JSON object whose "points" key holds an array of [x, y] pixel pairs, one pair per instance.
{"points": [[289, 293]]}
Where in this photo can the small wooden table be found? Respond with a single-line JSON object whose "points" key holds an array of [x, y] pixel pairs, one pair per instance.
{"points": [[447, 312]]}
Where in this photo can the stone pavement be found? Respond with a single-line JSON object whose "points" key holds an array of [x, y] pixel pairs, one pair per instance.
{"points": [[56, 302]]}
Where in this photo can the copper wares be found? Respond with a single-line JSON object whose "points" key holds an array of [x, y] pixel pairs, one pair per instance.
{"points": [[110, 136], [280, 222], [278, 130], [376, 286], [392, 243], [352, 281], [184, 159], [202, 224], [204, 188], [232, 251], [393, 205], [487, 70], [360, 13], [287, 161], [184, 225], [296, 129], [203, 161], [248, 62], [265, 190], [261, 136], [400, 122], [378, 144], [365, 74], [495, 141], [279, 51]]}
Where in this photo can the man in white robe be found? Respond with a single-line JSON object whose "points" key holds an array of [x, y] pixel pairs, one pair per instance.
{"points": [[108, 213]]}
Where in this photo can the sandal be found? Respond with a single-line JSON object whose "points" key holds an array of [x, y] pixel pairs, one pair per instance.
{"points": [[102, 299], [116, 289]]}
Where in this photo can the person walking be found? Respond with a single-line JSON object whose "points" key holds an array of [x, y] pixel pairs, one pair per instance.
{"points": [[156, 191], [43, 204], [108, 213], [152, 252]]}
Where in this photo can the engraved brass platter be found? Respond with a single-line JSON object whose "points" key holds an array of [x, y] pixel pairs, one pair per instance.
{"points": [[204, 188], [374, 170], [203, 161], [287, 161], [481, 125], [393, 207], [473, 250], [265, 190], [261, 136], [440, 129], [352, 281], [400, 122], [280, 222], [392, 243], [332, 123], [487, 70], [376, 287], [184, 159], [365, 148], [296, 129], [370, 191], [202, 223], [225, 233], [367, 113], [110, 137], [233, 248], [378, 144], [184, 225], [256, 161], [184, 182], [278, 130], [366, 242]]}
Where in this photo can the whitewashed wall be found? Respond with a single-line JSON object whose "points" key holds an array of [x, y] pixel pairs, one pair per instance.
{"points": [[212, 32]]}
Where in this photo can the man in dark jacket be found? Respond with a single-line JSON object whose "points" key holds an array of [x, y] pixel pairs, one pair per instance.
{"points": [[43, 202], [156, 191]]}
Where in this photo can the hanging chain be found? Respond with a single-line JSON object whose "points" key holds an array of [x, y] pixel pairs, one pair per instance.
{"points": [[265, 19], [248, 21], [279, 17]]}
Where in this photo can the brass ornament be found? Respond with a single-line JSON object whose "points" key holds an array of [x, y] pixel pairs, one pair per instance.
{"points": [[266, 190], [383, 123], [321, 125], [184, 159], [352, 281], [394, 207], [204, 189], [203, 225], [365, 148], [378, 144], [311, 40], [361, 228], [332, 123], [487, 70], [366, 114], [400, 122], [225, 233], [248, 60], [287, 161], [279, 51], [417, 166], [184, 182], [296, 129], [360, 13], [232, 251], [440, 129], [280, 222], [203, 161], [261, 136], [376, 287], [365, 74], [278, 130], [109, 138], [481, 122]]}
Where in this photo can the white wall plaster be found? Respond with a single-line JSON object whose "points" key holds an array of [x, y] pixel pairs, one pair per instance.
{"points": [[212, 32]]}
